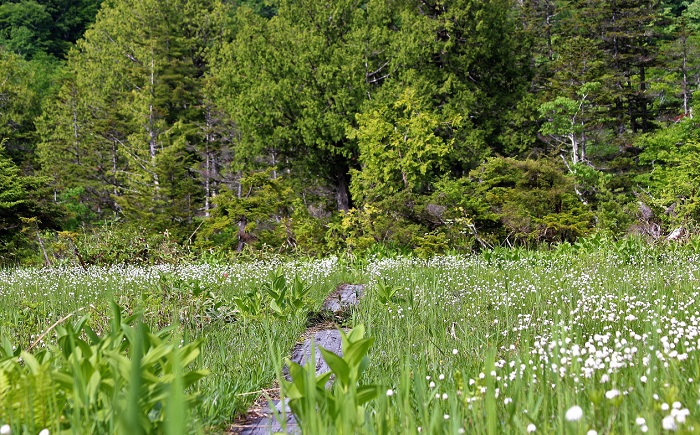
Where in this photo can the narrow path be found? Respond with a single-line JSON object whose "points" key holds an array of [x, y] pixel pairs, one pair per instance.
{"points": [[261, 418]]}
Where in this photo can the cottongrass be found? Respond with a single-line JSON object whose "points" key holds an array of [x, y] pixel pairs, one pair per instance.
{"points": [[618, 335]]}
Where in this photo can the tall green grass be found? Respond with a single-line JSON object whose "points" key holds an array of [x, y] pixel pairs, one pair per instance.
{"points": [[508, 342], [198, 298], [504, 342]]}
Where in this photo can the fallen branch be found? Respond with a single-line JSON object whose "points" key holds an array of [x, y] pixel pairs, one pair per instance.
{"points": [[59, 321]]}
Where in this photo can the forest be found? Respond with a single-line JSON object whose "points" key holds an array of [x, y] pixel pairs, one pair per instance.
{"points": [[147, 127]]}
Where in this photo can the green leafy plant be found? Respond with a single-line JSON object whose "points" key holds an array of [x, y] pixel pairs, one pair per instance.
{"points": [[249, 304], [199, 305], [387, 293], [285, 298], [340, 409], [86, 383]]}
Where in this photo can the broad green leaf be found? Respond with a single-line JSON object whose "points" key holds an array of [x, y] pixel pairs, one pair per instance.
{"points": [[337, 365], [366, 393]]}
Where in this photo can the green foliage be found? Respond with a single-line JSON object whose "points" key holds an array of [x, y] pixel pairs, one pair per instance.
{"points": [[674, 155], [308, 232], [277, 296], [610, 207], [23, 212], [21, 86], [126, 244], [387, 293], [503, 201], [360, 229], [32, 28], [253, 117], [534, 200], [77, 211], [566, 120], [195, 305], [430, 244], [286, 298], [129, 119], [399, 149], [342, 408], [250, 304], [26, 26], [88, 383], [249, 214], [301, 87]]}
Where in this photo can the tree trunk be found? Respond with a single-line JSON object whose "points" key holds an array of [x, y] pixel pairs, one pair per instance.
{"points": [[242, 236], [342, 194], [684, 69], [152, 135], [642, 99], [43, 249]]}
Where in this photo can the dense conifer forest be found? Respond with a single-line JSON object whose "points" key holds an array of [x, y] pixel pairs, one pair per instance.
{"points": [[318, 126]]}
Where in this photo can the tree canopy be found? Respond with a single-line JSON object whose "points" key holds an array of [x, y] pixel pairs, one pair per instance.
{"points": [[334, 124]]}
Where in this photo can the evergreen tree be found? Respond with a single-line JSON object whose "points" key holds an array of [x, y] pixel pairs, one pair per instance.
{"points": [[32, 28], [678, 72], [81, 138], [22, 201], [399, 149], [20, 90], [293, 84], [134, 106], [627, 32]]}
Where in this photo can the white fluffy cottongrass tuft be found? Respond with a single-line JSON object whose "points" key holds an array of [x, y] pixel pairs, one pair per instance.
{"points": [[574, 413]]}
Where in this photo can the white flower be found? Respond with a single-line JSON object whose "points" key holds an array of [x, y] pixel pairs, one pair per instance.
{"points": [[447, 417], [389, 392], [432, 384], [643, 379], [441, 377], [531, 428], [669, 423], [444, 396], [574, 413], [612, 393], [640, 421], [44, 432], [5, 429], [592, 432], [644, 428], [680, 414], [455, 351], [664, 407]]}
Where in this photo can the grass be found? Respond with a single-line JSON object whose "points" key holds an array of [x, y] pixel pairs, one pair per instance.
{"points": [[494, 347], [235, 352], [505, 342]]}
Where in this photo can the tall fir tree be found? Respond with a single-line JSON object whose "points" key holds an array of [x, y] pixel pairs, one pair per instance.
{"points": [[627, 31], [146, 61]]}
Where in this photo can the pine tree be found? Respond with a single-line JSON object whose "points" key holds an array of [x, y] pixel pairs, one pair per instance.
{"points": [[80, 146], [19, 104], [627, 32], [137, 91]]}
